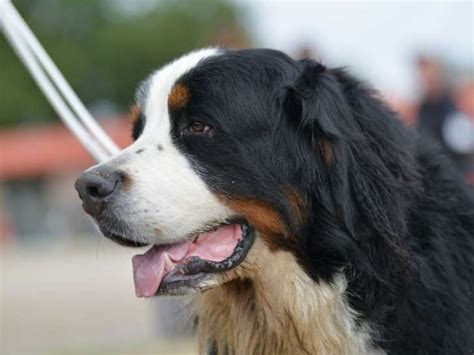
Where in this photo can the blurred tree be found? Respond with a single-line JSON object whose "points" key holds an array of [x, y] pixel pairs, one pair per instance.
{"points": [[105, 47]]}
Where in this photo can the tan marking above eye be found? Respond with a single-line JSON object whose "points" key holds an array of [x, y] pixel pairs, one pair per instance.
{"points": [[179, 97], [134, 114]]}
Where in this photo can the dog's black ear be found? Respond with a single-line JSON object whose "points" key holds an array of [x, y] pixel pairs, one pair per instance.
{"points": [[313, 106], [367, 151], [318, 114], [319, 124]]}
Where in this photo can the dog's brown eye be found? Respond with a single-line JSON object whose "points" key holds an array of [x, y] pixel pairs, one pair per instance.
{"points": [[198, 127]]}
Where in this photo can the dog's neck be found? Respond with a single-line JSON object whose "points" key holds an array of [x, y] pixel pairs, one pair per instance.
{"points": [[280, 311]]}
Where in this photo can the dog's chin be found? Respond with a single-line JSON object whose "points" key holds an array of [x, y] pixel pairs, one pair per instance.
{"points": [[119, 239], [182, 285], [200, 261]]}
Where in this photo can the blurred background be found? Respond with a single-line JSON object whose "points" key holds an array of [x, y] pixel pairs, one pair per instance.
{"points": [[66, 290]]}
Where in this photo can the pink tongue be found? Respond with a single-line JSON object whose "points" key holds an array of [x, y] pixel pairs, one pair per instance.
{"points": [[150, 268]]}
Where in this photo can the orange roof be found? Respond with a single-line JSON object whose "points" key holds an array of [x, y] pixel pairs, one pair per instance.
{"points": [[45, 149]]}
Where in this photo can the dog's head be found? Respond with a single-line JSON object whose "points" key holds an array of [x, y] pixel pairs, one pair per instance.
{"points": [[235, 152]]}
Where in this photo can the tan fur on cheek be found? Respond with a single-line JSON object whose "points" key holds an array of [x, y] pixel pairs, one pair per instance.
{"points": [[263, 216], [297, 203], [179, 97]]}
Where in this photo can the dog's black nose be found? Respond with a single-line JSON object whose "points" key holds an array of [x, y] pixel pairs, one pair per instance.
{"points": [[95, 188]]}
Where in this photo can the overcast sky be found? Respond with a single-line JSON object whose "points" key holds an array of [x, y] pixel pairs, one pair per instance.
{"points": [[378, 39]]}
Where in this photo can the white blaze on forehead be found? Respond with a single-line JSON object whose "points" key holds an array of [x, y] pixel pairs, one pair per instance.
{"points": [[156, 107], [167, 199]]}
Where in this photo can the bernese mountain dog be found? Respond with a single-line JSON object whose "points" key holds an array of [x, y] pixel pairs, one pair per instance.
{"points": [[304, 216]]}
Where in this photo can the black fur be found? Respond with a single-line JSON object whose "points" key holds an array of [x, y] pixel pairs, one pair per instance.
{"points": [[388, 209]]}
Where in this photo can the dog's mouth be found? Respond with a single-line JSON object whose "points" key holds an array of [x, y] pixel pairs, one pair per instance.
{"points": [[186, 266]]}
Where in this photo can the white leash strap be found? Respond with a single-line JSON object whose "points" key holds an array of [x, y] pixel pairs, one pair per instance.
{"points": [[53, 84]]}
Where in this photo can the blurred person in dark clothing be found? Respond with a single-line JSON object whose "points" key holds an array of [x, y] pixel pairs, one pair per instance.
{"points": [[440, 117], [458, 130], [436, 103]]}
